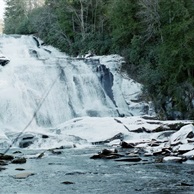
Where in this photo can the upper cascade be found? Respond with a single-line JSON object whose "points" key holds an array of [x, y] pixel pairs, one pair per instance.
{"points": [[66, 87]]}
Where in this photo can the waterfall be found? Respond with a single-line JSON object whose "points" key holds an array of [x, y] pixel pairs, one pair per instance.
{"points": [[82, 87]]}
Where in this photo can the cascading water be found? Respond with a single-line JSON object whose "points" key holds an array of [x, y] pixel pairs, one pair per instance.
{"points": [[77, 91]]}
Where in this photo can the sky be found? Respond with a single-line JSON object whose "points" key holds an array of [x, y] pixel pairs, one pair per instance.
{"points": [[2, 7]]}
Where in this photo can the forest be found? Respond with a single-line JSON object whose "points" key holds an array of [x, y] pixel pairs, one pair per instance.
{"points": [[156, 38]]}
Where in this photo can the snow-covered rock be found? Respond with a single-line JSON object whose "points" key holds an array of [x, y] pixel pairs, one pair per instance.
{"points": [[186, 147], [182, 135], [172, 159], [189, 154]]}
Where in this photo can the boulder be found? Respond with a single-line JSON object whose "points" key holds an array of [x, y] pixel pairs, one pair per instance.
{"points": [[19, 161], [6, 157]]}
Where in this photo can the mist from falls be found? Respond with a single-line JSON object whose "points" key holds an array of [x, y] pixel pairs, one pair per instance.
{"points": [[80, 88]]}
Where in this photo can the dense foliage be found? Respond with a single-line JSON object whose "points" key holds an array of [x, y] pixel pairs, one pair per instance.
{"points": [[156, 37]]}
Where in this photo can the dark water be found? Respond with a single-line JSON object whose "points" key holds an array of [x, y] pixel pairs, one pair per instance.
{"points": [[95, 176]]}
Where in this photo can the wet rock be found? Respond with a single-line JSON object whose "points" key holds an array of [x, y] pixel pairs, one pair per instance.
{"points": [[75, 173], [20, 169], [17, 152], [56, 152], [112, 156], [106, 154], [190, 135], [6, 157], [45, 136], [64, 147], [23, 175], [67, 183], [124, 144], [119, 136], [186, 184], [160, 128], [129, 159], [96, 156], [190, 140], [140, 130], [3, 163], [40, 155], [58, 163], [26, 140], [19, 161], [148, 117]]}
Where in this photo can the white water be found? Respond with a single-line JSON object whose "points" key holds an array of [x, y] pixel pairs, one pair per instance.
{"points": [[77, 91]]}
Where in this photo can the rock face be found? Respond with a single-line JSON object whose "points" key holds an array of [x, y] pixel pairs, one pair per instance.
{"points": [[106, 79]]}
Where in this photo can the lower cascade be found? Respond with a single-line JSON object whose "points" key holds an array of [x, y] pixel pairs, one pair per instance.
{"points": [[65, 87]]}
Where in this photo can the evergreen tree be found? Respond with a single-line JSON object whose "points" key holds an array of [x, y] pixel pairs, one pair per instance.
{"points": [[169, 79], [15, 16]]}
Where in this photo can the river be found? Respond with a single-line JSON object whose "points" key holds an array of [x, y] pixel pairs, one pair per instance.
{"points": [[95, 176]]}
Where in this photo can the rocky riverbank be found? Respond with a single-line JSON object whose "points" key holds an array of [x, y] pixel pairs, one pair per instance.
{"points": [[172, 143]]}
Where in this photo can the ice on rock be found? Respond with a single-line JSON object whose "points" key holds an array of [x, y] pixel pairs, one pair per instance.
{"points": [[182, 134]]}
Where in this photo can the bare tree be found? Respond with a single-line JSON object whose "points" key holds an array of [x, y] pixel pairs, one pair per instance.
{"points": [[150, 17]]}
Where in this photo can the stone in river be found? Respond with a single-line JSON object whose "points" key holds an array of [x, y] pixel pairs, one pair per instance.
{"points": [[23, 175], [172, 159], [19, 161]]}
